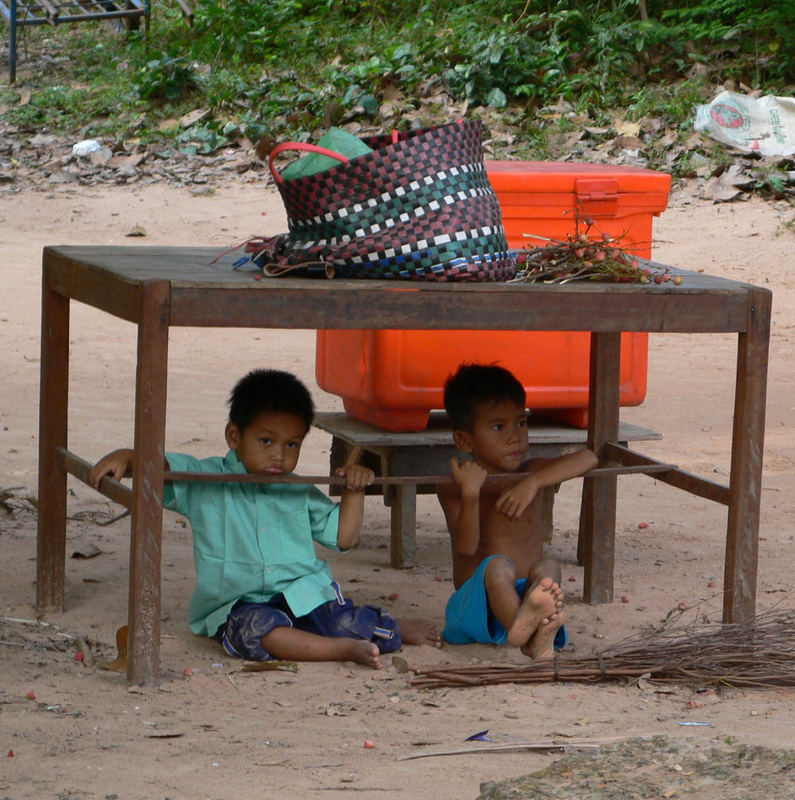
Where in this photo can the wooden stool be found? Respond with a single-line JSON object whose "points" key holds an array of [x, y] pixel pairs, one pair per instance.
{"points": [[428, 452]]}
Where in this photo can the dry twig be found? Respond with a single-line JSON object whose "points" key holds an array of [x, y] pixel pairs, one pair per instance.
{"points": [[583, 256]]}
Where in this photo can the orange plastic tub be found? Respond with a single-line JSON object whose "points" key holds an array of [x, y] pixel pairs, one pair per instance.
{"points": [[393, 378]]}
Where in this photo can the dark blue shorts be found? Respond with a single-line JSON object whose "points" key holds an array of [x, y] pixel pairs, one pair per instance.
{"points": [[247, 623]]}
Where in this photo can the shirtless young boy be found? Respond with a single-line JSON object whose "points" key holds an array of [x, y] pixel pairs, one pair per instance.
{"points": [[505, 589]]}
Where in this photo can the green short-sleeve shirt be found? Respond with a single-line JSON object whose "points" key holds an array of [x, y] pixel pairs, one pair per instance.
{"points": [[252, 541]]}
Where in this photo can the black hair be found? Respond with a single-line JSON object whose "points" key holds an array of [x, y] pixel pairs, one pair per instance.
{"points": [[476, 384], [269, 391]]}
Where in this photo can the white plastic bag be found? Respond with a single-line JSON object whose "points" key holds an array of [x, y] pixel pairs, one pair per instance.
{"points": [[763, 125], [86, 147]]}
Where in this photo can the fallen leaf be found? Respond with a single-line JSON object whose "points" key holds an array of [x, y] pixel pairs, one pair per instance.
{"points": [[624, 127], [719, 193], [264, 146], [126, 161], [625, 142], [400, 664], [120, 663], [193, 117], [137, 230], [736, 176], [571, 139]]}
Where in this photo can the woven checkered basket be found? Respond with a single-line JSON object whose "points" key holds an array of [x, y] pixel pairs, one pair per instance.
{"points": [[419, 206]]}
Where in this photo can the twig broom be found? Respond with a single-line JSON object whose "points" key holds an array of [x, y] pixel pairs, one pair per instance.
{"points": [[759, 653]]}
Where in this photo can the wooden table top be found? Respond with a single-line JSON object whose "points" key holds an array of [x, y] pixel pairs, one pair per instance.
{"points": [[205, 292]]}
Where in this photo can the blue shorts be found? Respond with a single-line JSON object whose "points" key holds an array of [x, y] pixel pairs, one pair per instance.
{"points": [[468, 618], [241, 634]]}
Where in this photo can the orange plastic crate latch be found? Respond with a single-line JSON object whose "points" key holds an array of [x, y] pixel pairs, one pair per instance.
{"points": [[597, 196]]}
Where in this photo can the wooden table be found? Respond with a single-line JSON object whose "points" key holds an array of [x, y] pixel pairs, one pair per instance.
{"points": [[160, 287], [428, 452]]}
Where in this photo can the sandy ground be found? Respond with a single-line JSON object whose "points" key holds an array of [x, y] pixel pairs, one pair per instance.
{"points": [[223, 732]]}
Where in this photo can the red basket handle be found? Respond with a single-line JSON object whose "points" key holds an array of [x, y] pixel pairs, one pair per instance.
{"points": [[310, 148]]}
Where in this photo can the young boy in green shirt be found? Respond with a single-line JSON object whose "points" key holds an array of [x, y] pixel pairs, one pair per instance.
{"points": [[261, 590]]}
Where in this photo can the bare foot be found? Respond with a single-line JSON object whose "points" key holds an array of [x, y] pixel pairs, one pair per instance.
{"points": [[419, 631], [542, 644], [363, 652], [538, 605]]}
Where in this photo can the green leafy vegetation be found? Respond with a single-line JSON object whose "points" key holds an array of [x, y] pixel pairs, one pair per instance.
{"points": [[292, 68]]}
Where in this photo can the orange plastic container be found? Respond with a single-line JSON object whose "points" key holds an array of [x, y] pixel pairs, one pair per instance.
{"points": [[394, 378]]}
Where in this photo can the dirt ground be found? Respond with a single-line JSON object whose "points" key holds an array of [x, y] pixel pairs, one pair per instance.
{"points": [[221, 732]]}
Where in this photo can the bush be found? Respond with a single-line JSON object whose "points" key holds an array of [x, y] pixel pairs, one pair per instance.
{"points": [[291, 66]]}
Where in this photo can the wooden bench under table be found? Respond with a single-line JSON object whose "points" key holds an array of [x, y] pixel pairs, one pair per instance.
{"points": [[428, 452]]}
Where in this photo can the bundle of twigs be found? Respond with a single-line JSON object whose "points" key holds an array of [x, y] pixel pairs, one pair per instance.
{"points": [[583, 256], [759, 653]]}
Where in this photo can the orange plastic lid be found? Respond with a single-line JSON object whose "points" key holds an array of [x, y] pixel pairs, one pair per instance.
{"points": [[557, 182]]}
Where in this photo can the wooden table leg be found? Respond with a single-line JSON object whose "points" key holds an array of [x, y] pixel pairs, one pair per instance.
{"points": [[53, 418], [143, 658], [403, 523], [598, 524], [745, 484]]}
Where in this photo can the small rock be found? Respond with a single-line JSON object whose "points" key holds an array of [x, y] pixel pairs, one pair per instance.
{"points": [[61, 176], [41, 141], [101, 156]]}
